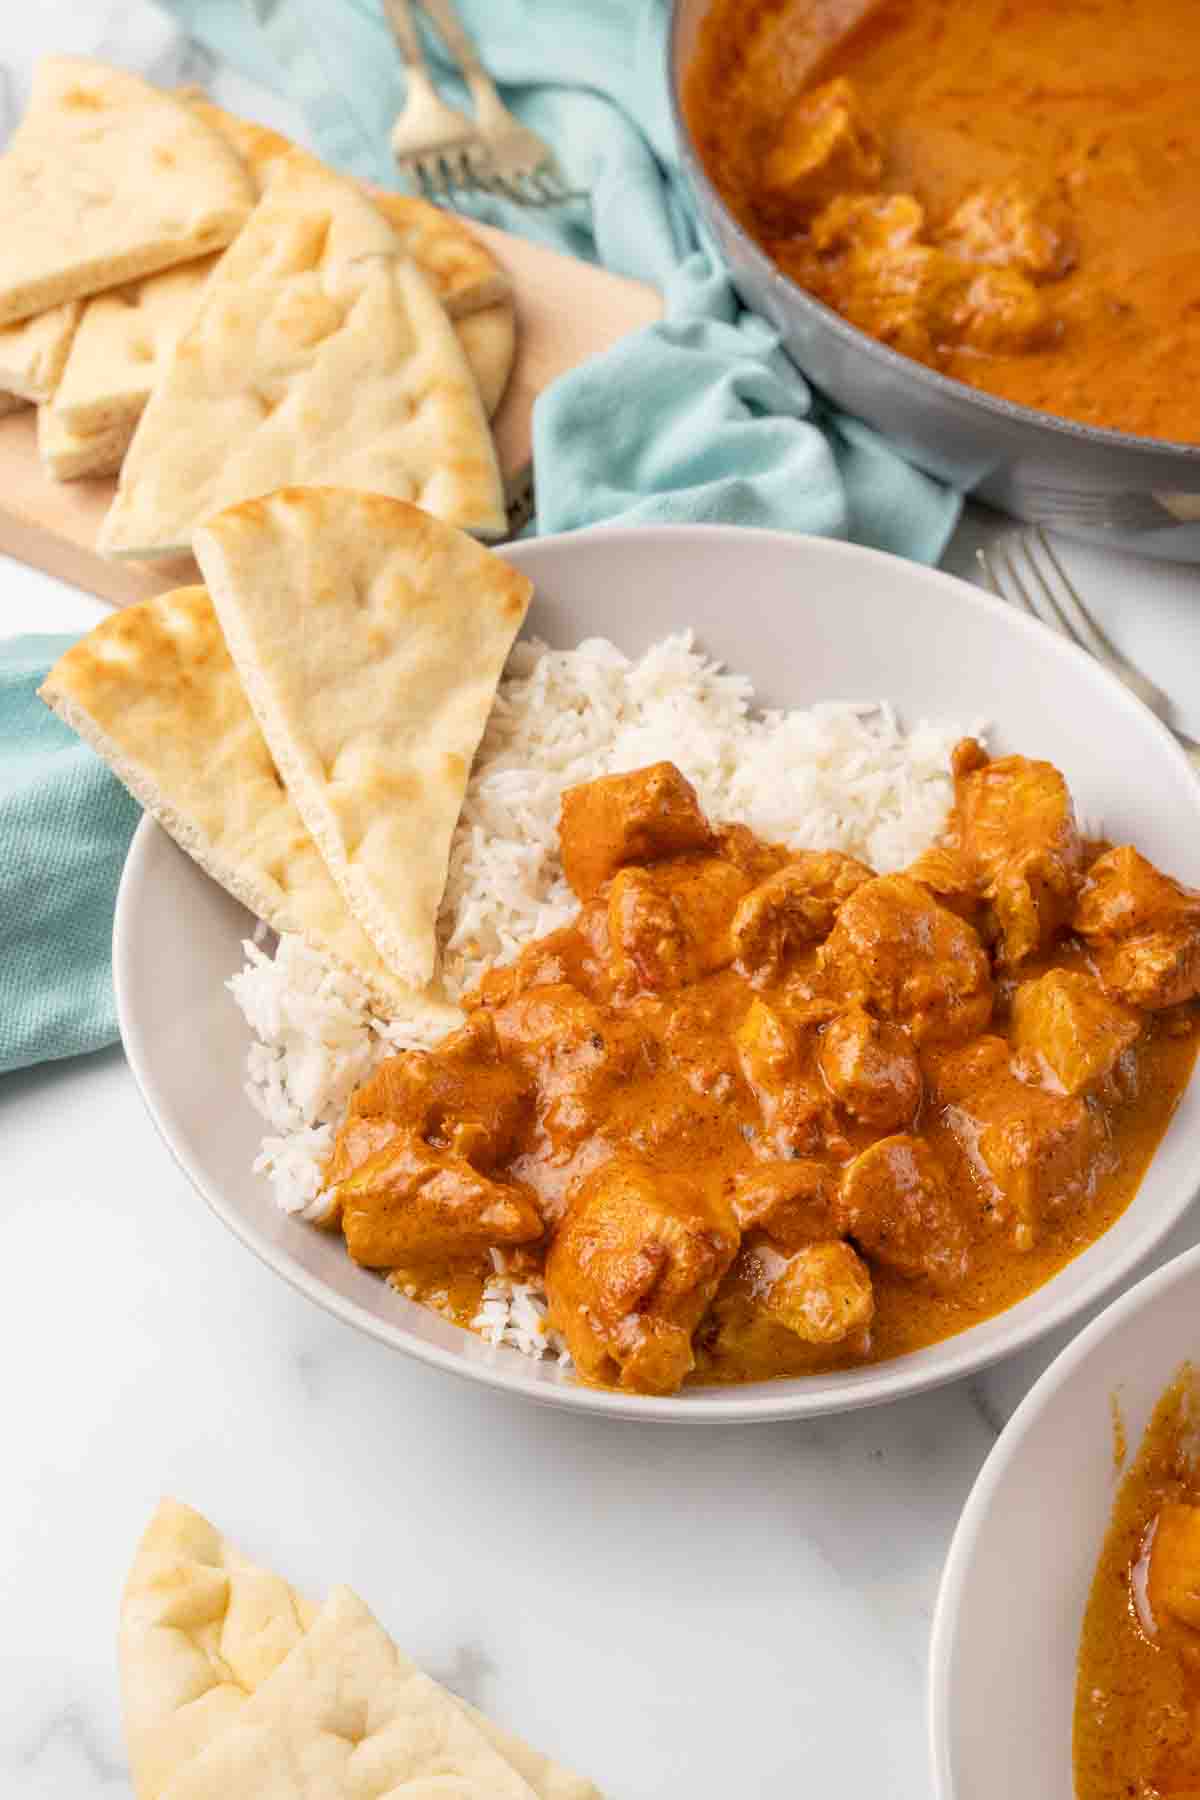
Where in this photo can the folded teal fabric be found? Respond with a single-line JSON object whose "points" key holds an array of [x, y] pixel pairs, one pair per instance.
{"points": [[65, 826], [701, 417]]}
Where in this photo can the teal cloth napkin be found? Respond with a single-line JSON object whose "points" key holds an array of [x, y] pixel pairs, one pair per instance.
{"points": [[699, 418], [65, 826]]}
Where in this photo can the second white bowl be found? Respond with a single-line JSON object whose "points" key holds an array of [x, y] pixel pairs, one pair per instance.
{"points": [[1016, 1583]]}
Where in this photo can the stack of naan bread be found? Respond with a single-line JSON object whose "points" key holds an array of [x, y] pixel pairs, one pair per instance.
{"points": [[234, 1685], [193, 301], [304, 726]]}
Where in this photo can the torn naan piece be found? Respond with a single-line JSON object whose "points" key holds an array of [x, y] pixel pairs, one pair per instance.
{"points": [[203, 1628], [33, 352], [548, 1779], [107, 179], [318, 354], [370, 639], [346, 1713], [153, 690]]}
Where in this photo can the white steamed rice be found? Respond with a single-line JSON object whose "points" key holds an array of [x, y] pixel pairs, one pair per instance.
{"points": [[839, 776]]}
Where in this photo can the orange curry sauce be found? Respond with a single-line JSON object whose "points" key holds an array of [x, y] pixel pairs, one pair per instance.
{"points": [[1137, 1697], [759, 1112], [1006, 190]]}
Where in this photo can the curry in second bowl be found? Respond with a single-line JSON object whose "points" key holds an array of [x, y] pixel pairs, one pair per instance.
{"points": [[1003, 191], [758, 1112], [1137, 1702]]}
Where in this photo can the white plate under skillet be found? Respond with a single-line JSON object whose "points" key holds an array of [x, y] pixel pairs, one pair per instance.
{"points": [[808, 620]]}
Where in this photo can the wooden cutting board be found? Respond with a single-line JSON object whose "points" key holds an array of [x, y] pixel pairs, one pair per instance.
{"points": [[566, 311]]}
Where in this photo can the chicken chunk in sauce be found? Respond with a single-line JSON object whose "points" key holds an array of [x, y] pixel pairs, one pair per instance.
{"points": [[637, 818], [796, 905], [758, 1110], [896, 1203], [577, 1058], [791, 1202], [670, 925], [872, 256], [871, 1068], [1142, 930], [1011, 228], [823, 148], [1014, 824], [951, 879], [822, 1293], [632, 1269], [466, 1097], [1032, 1152], [1173, 1575], [410, 1202], [1069, 1031], [795, 1116], [895, 951]]}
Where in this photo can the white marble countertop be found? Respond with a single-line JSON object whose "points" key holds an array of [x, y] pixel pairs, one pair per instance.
{"points": [[701, 1613]]}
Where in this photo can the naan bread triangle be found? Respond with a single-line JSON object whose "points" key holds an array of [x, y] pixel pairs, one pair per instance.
{"points": [[96, 362], [153, 690], [107, 179], [124, 338], [318, 354], [464, 272], [370, 639], [72, 455], [202, 1629], [489, 338], [465, 275], [34, 351], [347, 1714]]}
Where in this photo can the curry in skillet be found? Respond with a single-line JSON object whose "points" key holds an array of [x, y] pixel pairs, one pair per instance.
{"points": [[758, 1112], [1137, 1702], [1005, 190]]}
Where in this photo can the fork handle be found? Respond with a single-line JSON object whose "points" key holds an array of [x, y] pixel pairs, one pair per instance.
{"points": [[399, 16], [488, 104], [454, 35]]}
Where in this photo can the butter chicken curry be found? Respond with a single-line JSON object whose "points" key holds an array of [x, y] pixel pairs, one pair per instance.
{"points": [[1005, 190], [1137, 1698], [758, 1112]]}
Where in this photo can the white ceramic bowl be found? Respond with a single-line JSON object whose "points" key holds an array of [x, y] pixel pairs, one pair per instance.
{"points": [[1013, 1593], [807, 620]]}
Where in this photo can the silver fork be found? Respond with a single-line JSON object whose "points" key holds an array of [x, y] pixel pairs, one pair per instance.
{"points": [[1023, 569], [435, 142], [522, 166]]}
